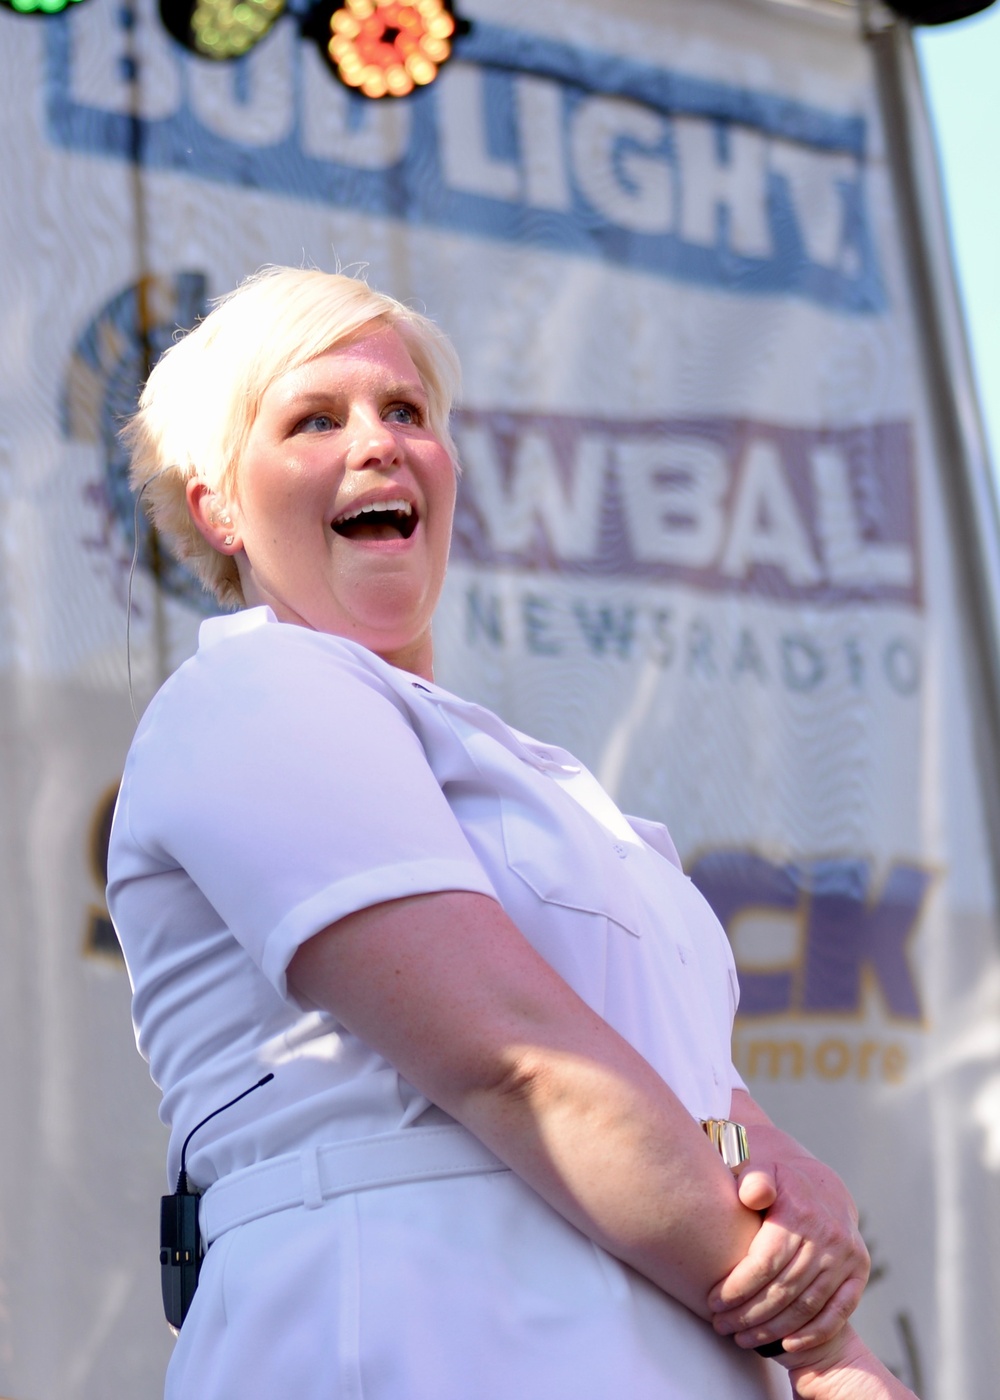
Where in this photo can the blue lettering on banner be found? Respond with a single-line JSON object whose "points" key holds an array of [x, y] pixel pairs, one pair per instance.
{"points": [[521, 139], [723, 505], [511, 615], [849, 936]]}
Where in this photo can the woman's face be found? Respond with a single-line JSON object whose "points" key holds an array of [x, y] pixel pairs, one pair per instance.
{"points": [[345, 501]]}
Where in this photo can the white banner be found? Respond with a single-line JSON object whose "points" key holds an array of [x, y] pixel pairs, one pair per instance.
{"points": [[701, 541]]}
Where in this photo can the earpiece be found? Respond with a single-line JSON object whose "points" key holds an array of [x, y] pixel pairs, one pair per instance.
{"points": [[227, 519], [211, 514]]}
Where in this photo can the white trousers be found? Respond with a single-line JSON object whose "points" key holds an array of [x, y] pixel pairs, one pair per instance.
{"points": [[463, 1289]]}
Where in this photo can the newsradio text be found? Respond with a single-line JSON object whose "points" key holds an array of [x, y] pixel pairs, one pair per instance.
{"points": [[518, 615]]}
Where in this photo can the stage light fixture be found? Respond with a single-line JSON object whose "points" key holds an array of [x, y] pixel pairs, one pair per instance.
{"points": [[220, 29], [386, 48], [937, 11], [39, 7]]}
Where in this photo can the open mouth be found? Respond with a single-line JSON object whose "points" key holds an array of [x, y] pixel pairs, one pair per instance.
{"points": [[379, 520]]}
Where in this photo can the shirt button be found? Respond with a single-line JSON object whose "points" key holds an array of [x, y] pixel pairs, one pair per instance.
{"points": [[620, 850]]}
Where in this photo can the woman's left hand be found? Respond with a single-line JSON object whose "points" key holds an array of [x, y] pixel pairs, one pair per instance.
{"points": [[807, 1266]]}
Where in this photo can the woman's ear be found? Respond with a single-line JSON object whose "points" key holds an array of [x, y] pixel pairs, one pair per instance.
{"points": [[212, 517]]}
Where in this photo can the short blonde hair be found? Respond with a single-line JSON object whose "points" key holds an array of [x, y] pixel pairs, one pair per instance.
{"points": [[202, 398]]}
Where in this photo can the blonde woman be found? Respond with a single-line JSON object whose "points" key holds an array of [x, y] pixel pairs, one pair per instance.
{"points": [[494, 1008]]}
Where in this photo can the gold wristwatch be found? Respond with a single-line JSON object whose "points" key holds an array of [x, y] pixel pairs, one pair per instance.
{"points": [[731, 1140]]}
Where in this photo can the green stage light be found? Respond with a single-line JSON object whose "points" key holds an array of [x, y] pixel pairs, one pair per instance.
{"points": [[219, 29], [39, 7]]}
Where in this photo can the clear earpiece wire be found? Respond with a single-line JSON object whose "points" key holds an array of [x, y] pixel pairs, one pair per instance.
{"points": [[128, 600]]}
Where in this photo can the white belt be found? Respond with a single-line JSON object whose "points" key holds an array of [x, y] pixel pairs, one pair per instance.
{"points": [[316, 1174]]}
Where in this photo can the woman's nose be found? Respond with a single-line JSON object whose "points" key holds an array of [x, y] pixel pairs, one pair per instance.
{"points": [[372, 442]]}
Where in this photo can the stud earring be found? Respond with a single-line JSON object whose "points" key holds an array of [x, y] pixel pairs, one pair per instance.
{"points": [[230, 539]]}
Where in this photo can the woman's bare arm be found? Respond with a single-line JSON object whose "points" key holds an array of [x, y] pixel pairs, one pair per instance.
{"points": [[451, 993]]}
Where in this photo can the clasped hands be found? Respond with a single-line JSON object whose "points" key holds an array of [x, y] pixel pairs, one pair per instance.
{"points": [[807, 1267], [804, 1272]]}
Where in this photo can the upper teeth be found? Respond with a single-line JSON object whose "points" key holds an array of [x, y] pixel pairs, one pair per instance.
{"points": [[401, 507]]}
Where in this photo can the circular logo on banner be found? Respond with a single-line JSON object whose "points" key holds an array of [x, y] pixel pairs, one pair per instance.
{"points": [[109, 364]]}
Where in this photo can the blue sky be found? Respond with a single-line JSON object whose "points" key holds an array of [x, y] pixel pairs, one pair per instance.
{"points": [[961, 67]]}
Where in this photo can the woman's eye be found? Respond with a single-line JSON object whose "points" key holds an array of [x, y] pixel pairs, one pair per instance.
{"points": [[316, 423], [406, 413]]}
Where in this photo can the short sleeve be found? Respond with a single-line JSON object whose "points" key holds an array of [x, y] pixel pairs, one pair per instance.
{"points": [[281, 772]]}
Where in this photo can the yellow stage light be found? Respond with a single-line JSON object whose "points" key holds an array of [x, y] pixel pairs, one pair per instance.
{"points": [[220, 29]]}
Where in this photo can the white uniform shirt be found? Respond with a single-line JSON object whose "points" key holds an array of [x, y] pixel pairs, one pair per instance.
{"points": [[284, 778]]}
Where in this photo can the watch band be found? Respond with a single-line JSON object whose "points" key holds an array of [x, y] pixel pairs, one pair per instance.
{"points": [[731, 1140]]}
